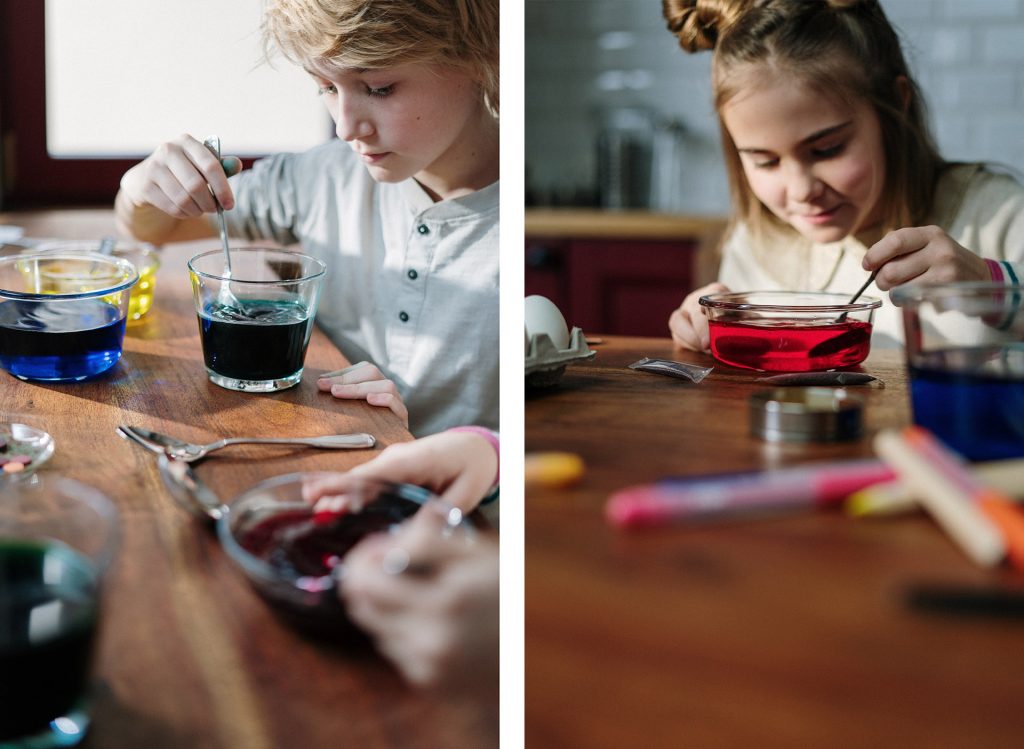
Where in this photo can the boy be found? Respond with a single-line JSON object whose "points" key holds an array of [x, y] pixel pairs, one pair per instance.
{"points": [[403, 206]]}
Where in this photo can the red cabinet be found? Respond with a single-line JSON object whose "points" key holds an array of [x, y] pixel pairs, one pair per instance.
{"points": [[612, 286], [618, 272]]}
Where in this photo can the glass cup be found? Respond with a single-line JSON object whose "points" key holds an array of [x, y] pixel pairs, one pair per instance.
{"points": [[255, 324], [142, 255], [965, 354], [57, 539], [62, 314]]}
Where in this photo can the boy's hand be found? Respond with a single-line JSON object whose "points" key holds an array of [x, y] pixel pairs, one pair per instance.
{"points": [[177, 177], [924, 254], [363, 381], [458, 466], [688, 324]]}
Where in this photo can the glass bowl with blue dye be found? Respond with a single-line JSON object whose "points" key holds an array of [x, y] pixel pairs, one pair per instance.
{"points": [[62, 314]]}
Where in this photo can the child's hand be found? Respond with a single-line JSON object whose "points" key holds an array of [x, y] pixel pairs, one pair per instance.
{"points": [[363, 381], [176, 178], [924, 254], [458, 466], [688, 324], [434, 613]]}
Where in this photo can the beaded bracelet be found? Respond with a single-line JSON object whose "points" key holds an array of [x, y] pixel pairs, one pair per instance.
{"points": [[491, 437]]}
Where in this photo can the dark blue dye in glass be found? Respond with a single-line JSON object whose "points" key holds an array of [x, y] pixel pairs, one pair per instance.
{"points": [[260, 340], [973, 400], [60, 340]]}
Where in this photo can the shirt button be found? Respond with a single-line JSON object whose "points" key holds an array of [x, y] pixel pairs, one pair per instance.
{"points": [[413, 275], [423, 229], [403, 316]]}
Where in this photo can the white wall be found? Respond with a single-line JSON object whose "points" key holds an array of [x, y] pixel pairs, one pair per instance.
{"points": [[123, 76], [967, 55]]}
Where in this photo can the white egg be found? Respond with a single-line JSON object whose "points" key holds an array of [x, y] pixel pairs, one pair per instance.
{"points": [[542, 316]]}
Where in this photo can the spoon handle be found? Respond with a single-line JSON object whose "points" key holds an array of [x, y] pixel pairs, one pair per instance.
{"points": [[334, 441], [213, 144], [867, 283], [855, 297]]}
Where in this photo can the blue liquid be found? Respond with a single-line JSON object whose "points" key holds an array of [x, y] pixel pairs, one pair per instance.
{"points": [[60, 341], [977, 412], [261, 340]]}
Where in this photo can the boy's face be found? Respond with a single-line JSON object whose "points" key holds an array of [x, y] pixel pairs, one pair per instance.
{"points": [[816, 163], [416, 120]]}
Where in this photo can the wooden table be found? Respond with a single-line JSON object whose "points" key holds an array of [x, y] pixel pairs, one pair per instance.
{"points": [[188, 655], [788, 632]]}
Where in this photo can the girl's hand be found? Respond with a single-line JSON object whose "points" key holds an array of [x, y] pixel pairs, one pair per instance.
{"points": [[431, 605], [363, 381], [924, 254], [688, 324], [176, 178], [458, 466]]}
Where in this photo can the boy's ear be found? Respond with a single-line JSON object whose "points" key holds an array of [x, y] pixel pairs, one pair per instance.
{"points": [[903, 89]]}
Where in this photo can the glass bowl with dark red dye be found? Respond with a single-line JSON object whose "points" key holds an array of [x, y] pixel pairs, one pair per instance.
{"points": [[294, 557], [789, 331]]}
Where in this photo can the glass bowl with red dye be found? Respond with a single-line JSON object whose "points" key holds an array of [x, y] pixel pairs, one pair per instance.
{"points": [[789, 331], [294, 557]]}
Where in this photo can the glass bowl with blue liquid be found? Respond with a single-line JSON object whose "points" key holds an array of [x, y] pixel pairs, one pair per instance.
{"points": [[62, 314]]}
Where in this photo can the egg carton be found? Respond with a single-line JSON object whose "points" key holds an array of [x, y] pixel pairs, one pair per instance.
{"points": [[545, 362]]}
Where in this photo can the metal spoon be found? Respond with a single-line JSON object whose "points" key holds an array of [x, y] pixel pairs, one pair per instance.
{"points": [[188, 490], [107, 245], [861, 290], [189, 452], [225, 297]]}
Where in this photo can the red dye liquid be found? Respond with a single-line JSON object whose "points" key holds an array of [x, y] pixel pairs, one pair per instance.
{"points": [[790, 345], [297, 543]]}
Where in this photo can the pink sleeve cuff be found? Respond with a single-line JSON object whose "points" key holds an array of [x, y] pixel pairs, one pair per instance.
{"points": [[491, 437], [995, 270]]}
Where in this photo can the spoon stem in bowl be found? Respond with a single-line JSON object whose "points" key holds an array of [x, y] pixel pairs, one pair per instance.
{"points": [[867, 283], [225, 297], [861, 290]]}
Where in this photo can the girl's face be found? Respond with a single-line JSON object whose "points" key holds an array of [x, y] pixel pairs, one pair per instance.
{"points": [[416, 120], [816, 163]]}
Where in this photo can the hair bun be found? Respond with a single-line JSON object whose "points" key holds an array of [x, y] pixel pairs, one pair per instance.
{"points": [[698, 24]]}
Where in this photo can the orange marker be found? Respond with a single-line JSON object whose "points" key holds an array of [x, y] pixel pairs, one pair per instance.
{"points": [[993, 504]]}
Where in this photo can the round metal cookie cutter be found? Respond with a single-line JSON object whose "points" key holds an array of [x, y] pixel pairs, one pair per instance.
{"points": [[807, 414]]}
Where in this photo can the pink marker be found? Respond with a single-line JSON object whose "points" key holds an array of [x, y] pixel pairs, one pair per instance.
{"points": [[726, 495]]}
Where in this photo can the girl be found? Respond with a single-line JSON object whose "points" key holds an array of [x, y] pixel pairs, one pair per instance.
{"points": [[402, 206], [833, 172]]}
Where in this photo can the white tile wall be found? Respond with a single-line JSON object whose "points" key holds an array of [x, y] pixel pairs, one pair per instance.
{"points": [[968, 57]]}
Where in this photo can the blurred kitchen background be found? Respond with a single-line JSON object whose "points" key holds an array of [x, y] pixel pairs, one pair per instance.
{"points": [[626, 189]]}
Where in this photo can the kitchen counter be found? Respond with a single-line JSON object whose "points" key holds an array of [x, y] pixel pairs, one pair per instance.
{"points": [[631, 224]]}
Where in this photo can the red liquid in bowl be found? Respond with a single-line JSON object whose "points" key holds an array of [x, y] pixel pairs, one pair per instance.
{"points": [[790, 345], [295, 547]]}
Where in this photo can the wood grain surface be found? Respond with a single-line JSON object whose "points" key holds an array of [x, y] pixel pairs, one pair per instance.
{"points": [[792, 631], [188, 655]]}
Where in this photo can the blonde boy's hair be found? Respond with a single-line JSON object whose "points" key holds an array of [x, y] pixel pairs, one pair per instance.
{"points": [[383, 33]]}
